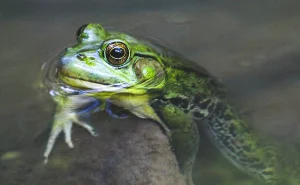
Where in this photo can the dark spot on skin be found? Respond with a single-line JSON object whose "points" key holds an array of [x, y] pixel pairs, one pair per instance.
{"points": [[252, 161], [215, 124], [229, 146], [186, 111], [192, 106], [184, 104], [179, 102], [204, 104], [269, 173], [156, 103], [227, 117], [247, 160], [226, 136], [241, 155], [232, 130], [175, 101], [210, 109], [246, 148], [219, 107], [197, 99], [258, 166], [198, 115]]}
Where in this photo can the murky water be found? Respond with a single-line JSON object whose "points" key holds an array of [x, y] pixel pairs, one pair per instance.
{"points": [[252, 46]]}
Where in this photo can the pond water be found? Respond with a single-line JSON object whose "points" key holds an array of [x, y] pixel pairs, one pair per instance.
{"points": [[252, 46]]}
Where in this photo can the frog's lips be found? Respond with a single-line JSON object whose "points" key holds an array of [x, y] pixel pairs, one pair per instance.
{"points": [[81, 83]]}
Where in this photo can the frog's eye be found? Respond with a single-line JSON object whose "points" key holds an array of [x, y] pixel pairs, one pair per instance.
{"points": [[116, 53]]}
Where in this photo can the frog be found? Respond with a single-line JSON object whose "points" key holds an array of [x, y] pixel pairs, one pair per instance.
{"points": [[153, 82]]}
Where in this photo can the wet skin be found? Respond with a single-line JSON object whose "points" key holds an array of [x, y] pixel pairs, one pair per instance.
{"points": [[152, 82]]}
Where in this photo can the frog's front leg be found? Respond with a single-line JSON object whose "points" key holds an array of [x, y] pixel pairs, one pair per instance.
{"points": [[184, 136], [63, 122], [68, 112], [185, 142]]}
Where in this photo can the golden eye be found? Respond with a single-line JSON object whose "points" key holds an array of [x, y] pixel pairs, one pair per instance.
{"points": [[116, 53]]}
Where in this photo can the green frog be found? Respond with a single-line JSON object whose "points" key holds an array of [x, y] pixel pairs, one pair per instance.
{"points": [[155, 83]]}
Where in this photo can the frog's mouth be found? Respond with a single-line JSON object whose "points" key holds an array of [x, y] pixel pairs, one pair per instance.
{"points": [[90, 85]]}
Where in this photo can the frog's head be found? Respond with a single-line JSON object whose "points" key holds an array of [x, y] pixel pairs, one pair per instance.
{"points": [[110, 61]]}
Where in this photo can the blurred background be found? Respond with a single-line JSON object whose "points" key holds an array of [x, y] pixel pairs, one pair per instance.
{"points": [[252, 46]]}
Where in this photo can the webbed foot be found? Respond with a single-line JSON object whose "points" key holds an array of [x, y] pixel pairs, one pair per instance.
{"points": [[63, 122], [68, 112], [66, 115]]}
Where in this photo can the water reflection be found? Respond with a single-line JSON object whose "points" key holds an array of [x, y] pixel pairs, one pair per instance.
{"points": [[245, 44]]}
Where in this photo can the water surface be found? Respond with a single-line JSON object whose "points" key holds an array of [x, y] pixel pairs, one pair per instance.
{"points": [[252, 46]]}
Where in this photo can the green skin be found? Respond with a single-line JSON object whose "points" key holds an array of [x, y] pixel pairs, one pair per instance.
{"points": [[155, 83]]}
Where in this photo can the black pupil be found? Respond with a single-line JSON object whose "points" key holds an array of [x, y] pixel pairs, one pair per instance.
{"points": [[117, 52]]}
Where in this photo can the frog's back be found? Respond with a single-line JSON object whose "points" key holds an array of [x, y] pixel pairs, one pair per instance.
{"points": [[203, 96]]}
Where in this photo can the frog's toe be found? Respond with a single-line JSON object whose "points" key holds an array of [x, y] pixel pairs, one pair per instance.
{"points": [[51, 141], [85, 125], [67, 131]]}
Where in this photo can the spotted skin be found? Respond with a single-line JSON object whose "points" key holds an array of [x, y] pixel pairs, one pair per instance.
{"points": [[155, 83], [226, 129]]}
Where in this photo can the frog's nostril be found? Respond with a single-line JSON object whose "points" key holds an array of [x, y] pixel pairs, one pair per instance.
{"points": [[80, 56]]}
